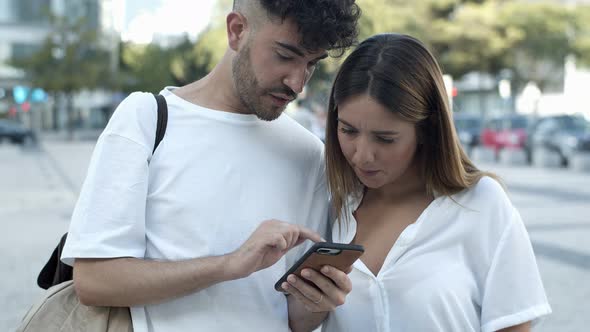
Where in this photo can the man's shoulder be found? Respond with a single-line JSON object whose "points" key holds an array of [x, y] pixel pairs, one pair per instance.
{"points": [[135, 101], [296, 131], [134, 118]]}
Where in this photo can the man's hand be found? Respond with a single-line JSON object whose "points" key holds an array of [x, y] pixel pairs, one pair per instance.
{"points": [[330, 291], [269, 242]]}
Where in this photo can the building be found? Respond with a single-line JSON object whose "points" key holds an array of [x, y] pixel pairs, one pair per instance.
{"points": [[24, 25]]}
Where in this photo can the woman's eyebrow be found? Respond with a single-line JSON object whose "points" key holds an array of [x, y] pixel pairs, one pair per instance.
{"points": [[385, 132], [376, 132]]}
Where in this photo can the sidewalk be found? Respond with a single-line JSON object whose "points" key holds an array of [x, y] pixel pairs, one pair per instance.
{"points": [[70, 159], [77, 136]]}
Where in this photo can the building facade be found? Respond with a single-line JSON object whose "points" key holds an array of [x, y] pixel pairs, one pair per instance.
{"points": [[25, 24]]}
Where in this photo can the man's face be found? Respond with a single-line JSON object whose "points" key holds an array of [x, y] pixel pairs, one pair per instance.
{"points": [[271, 69]]}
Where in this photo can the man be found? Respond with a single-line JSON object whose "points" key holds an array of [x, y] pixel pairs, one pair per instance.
{"points": [[196, 240]]}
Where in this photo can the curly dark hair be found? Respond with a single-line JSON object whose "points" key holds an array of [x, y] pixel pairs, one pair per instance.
{"points": [[323, 24]]}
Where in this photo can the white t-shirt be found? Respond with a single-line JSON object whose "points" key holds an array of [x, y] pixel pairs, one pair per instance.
{"points": [[464, 265], [213, 179]]}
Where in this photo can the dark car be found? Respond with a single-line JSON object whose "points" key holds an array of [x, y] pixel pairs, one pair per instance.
{"points": [[564, 134], [468, 128], [14, 132]]}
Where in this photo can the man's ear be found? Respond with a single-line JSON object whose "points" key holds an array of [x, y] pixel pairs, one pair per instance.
{"points": [[236, 24]]}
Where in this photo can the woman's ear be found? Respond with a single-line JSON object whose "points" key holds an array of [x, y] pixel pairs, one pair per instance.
{"points": [[236, 29]]}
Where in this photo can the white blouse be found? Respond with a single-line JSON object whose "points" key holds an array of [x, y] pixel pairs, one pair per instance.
{"points": [[466, 264]]}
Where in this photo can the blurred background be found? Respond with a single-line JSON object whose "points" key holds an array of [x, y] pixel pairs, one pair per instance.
{"points": [[517, 75]]}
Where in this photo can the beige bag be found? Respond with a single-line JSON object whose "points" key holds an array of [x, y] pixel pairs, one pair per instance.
{"points": [[61, 311]]}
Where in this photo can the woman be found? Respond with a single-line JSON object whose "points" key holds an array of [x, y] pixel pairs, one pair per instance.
{"points": [[445, 250]]}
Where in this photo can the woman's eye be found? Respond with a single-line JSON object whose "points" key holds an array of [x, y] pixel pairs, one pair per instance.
{"points": [[385, 140], [347, 130]]}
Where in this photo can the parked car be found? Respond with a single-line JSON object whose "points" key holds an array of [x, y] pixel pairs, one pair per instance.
{"points": [[14, 132], [510, 131], [468, 128], [564, 134]]}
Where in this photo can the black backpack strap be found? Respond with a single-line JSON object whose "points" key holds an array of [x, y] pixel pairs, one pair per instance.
{"points": [[162, 120]]}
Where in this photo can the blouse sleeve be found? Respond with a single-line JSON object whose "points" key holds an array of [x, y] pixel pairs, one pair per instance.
{"points": [[514, 292]]}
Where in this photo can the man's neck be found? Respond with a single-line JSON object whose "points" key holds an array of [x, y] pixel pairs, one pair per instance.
{"points": [[215, 91]]}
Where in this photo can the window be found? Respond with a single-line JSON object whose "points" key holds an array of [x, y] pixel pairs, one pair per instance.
{"points": [[20, 50], [31, 11], [547, 126]]}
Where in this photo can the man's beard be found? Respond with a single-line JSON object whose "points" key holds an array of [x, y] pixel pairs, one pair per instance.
{"points": [[249, 90]]}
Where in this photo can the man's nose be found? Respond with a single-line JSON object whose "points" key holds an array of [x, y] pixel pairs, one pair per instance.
{"points": [[296, 79]]}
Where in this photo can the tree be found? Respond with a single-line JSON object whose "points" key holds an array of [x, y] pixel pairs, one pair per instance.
{"points": [[581, 35], [68, 61], [145, 67], [187, 63], [543, 40]]}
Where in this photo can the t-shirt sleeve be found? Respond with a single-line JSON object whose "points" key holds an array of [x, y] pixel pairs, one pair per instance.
{"points": [[514, 293], [317, 211], [109, 217]]}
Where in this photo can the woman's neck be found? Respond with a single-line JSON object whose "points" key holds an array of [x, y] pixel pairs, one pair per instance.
{"points": [[408, 185]]}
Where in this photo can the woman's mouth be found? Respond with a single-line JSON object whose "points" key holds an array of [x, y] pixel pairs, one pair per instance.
{"points": [[367, 173]]}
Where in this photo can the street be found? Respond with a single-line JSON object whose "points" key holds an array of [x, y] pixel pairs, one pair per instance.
{"points": [[39, 187]]}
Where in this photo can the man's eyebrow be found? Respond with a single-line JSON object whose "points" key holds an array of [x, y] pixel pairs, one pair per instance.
{"points": [[291, 48], [299, 51], [322, 57]]}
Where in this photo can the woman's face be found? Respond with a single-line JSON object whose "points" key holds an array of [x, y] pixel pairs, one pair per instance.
{"points": [[376, 142]]}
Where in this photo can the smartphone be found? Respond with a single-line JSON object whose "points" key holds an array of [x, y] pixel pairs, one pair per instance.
{"points": [[338, 255]]}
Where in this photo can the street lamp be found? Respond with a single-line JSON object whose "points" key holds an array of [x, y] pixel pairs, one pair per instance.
{"points": [[505, 90], [531, 96]]}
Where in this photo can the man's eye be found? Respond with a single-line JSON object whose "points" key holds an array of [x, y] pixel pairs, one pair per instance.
{"points": [[283, 57]]}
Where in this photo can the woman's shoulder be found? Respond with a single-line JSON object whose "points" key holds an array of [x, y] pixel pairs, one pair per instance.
{"points": [[488, 196], [485, 189], [485, 210], [488, 187]]}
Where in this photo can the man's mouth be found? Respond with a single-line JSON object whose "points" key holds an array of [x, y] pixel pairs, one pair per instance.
{"points": [[280, 100]]}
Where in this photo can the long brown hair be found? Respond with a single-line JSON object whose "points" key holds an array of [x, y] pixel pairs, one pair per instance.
{"points": [[400, 73]]}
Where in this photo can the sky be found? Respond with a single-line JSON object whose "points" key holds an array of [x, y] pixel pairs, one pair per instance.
{"points": [[145, 18]]}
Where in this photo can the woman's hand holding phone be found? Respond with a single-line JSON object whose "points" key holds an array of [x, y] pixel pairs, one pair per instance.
{"points": [[322, 290], [319, 278]]}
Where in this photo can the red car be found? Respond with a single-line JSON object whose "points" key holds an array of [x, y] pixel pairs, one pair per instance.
{"points": [[505, 132]]}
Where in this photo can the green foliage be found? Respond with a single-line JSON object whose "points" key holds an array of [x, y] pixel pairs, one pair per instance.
{"points": [[530, 39], [541, 42], [581, 35], [211, 46], [68, 60], [465, 35], [146, 67]]}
